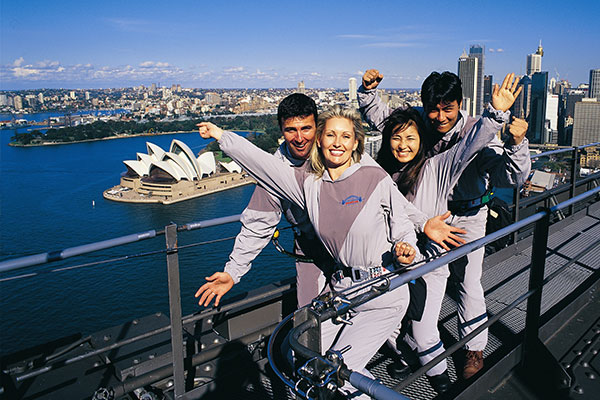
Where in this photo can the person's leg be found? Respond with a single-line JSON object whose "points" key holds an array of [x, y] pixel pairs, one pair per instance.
{"points": [[425, 331], [374, 323], [310, 282]]}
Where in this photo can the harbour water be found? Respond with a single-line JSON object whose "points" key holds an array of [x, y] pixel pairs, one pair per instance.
{"points": [[51, 198]]}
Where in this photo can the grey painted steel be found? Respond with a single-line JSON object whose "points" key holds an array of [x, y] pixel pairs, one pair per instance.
{"points": [[574, 168], [175, 309], [575, 199], [211, 222], [270, 352], [551, 152], [43, 258], [589, 145], [373, 388]]}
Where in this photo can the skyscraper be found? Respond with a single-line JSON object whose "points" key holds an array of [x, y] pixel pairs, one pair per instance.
{"points": [[594, 91], [522, 104], [478, 52], [534, 61], [467, 72], [352, 97], [487, 88], [301, 88], [537, 116], [586, 123]]}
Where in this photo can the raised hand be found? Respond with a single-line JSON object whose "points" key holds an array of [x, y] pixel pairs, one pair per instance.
{"points": [[504, 96], [218, 284], [209, 130], [405, 253], [440, 232], [518, 129], [371, 79]]}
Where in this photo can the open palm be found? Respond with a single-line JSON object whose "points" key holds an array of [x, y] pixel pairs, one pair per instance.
{"points": [[504, 96]]}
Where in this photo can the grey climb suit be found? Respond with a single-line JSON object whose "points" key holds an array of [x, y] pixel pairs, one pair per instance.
{"points": [[498, 164], [358, 217], [438, 177], [259, 221]]}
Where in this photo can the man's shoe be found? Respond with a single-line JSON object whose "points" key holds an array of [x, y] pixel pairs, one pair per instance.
{"points": [[440, 383], [399, 369], [473, 363]]}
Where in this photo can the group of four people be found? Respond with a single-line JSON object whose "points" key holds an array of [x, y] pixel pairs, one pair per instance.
{"points": [[350, 213]]}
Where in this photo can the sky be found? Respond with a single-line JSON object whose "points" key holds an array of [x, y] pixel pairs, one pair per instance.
{"points": [[275, 44]]}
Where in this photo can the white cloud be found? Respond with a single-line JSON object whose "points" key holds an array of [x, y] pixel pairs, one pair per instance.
{"points": [[386, 45], [19, 61], [500, 50], [234, 69]]}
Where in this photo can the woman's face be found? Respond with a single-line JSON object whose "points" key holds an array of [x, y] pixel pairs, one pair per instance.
{"points": [[405, 143], [337, 143]]}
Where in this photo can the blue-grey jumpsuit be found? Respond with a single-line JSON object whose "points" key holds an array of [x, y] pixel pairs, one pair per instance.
{"points": [[499, 165], [359, 217]]}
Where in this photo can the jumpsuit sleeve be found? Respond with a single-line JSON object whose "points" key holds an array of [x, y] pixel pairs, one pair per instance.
{"points": [[373, 110], [507, 165], [259, 221], [273, 174], [401, 228], [450, 164]]}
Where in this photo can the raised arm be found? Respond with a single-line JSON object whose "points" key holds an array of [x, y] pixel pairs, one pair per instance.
{"points": [[373, 110], [274, 175]]}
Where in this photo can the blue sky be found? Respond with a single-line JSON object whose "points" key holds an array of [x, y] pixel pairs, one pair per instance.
{"points": [[240, 44]]}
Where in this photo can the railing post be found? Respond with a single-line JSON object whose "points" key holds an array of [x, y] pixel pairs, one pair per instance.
{"points": [[175, 310], [541, 369], [516, 211], [574, 167]]}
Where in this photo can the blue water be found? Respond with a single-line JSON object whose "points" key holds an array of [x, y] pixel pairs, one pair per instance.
{"points": [[46, 203]]}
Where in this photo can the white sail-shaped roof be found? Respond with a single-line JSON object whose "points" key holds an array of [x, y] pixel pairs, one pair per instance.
{"points": [[183, 163], [231, 166], [182, 149], [207, 163], [135, 167], [145, 158], [168, 167], [155, 151]]}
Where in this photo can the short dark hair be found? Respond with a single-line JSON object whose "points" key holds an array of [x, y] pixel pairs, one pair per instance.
{"points": [[440, 88], [404, 174], [296, 105]]}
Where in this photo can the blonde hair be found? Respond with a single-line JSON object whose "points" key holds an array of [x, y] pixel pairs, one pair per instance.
{"points": [[317, 161]]}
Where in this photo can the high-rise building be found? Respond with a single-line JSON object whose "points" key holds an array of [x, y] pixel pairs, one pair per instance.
{"points": [[522, 104], [467, 73], [573, 96], [551, 125], [18, 102], [537, 115], [40, 98], [301, 88], [488, 85], [586, 122], [478, 52], [594, 90], [373, 143], [534, 61], [352, 89]]}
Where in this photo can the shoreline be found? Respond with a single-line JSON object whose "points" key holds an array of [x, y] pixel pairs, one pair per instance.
{"points": [[109, 138]]}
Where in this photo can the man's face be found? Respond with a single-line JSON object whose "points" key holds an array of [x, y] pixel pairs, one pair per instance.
{"points": [[299, 134], [443, 116]]}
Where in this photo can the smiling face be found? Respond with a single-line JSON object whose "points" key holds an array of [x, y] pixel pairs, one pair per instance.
{"points": [[443, 116], [405, 143], [337, 143], [299, 134]]}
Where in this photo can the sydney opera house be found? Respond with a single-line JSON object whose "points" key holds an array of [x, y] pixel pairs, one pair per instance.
{"points": [[175, 175]]}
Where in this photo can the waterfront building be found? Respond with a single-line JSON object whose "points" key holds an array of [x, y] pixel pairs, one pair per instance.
{"points": [[467, 72], [594, 90], [534, 61], [586, 122], [18, 102], [478, 52], [537, 116], [73, 95], [488, 86], [40, 97]]}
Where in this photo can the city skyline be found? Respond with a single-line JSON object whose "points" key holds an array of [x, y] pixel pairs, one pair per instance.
{"points": [[68, 44]]}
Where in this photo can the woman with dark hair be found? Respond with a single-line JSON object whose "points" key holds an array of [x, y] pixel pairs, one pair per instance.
{"points": [[427, 183]]}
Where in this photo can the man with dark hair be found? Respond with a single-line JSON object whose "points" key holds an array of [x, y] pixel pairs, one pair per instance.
{"points": [[297, 116], [498, 165]]}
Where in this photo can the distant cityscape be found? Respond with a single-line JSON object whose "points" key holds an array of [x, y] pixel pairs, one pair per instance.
{"points": [[558, 113]]}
